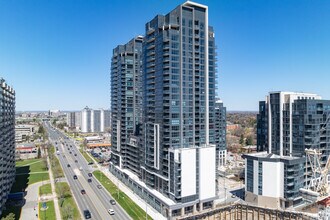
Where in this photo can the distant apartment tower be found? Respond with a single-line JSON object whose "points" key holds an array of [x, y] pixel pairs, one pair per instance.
{"points": [[91, 120], [86, 120], [126, 103], [7, 140], [287, 124], [71, 119], [177, 143], [105, 120], [95, 120], [220, 133]]}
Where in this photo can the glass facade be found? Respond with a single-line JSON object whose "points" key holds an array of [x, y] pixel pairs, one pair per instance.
{"points": [[126, 104], [7, 141]]}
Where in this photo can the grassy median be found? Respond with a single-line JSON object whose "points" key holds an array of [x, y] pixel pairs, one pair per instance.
{"points": [[66, 202], [87, 157], [125, 202]]}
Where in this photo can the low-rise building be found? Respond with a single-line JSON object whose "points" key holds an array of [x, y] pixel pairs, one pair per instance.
{"points": [[22, 132], [273, 181]]}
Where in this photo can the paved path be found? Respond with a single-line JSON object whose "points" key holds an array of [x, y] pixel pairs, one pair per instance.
{"points": [[30, 208]]}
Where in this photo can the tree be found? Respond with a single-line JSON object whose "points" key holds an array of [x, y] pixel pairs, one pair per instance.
{"points": [[41, 129], [249, 140], [241, 140], [10, 216], [63, 192], [39, 152], [68, 212]]}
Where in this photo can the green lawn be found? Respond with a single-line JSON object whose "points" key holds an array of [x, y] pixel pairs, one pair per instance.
{"points": [[87, 157], [25, 173], [45, 189], [68, 200], [48, 214], [22, 163], [128, 205]]}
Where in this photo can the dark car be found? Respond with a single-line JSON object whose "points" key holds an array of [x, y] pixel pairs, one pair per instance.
{"points": [[89, 180], [90, 163], [75, 177], [112, 202], [83, 191], [75, 154], [69, 165], [87, 214], [90, 174], [76, 161], [99, 186]]}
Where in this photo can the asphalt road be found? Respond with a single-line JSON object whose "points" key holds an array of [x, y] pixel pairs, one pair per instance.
{"points": [[96, 200]]}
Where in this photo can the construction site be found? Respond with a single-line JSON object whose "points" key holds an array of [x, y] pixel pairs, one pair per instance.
{"points": [[248, 212]]}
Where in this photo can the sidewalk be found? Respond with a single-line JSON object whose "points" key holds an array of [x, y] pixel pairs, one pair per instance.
{"points": [[30, 208], [52, 183], [140, 202]]}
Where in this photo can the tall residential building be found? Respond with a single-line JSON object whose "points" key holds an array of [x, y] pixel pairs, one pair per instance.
{"points": [[78, 120], [86, 120], [7, 140], [287, 124], [278, 120], [91, 120], [71, 119], [105, 119], [126, 104], [220, 133], [95, 120], [172, 162]]}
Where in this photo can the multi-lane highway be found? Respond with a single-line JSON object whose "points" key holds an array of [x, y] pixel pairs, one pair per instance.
{"points": [[97, 199]]}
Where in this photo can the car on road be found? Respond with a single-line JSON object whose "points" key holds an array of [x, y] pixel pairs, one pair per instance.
{"points": [[80, 168], [90, 174], [75, 154], [89, 180], [76, 161], [99, 186], [83, 192], [111, 212], [87, 214], [69, 165], [70, 152], [112, 202], [75, 177], [90, 163]]}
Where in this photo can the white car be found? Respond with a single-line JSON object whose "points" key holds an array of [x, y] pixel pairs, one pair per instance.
{"points": [[111, 212]]}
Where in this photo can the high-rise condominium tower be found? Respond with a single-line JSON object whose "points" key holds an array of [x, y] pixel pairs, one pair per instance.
{"points": [[7, 140], [167, 152], [126, 103]]}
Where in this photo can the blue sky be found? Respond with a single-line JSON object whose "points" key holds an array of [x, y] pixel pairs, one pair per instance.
{"points": [[56, 53]]}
